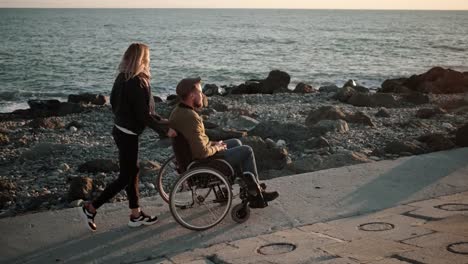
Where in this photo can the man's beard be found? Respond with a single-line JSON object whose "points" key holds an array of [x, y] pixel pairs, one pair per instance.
{"points": [[198, 105]]}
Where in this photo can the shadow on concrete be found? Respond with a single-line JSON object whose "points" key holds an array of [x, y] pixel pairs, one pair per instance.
{"points": [[405, 180], [134, 244]]}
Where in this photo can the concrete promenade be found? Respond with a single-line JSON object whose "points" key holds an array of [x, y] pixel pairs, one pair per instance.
{"points": [[410, 210]]}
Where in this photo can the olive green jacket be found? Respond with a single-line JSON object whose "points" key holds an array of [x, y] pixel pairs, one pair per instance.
{"points": [[186, 121]]}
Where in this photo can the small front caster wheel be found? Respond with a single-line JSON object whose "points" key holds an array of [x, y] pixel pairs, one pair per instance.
{"points": [[240, 213]]}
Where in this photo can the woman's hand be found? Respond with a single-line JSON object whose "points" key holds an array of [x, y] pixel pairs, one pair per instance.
{"points": [[171, 133]]}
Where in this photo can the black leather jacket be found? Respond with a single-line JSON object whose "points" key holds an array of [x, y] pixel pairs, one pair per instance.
{"points": [[133, 106]]}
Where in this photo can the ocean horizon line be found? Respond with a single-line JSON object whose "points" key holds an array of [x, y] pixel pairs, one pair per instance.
{"points": [[229, 8]]}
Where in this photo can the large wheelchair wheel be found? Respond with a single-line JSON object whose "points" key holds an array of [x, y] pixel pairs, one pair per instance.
{"points": [[167, 177], [200, 199]]}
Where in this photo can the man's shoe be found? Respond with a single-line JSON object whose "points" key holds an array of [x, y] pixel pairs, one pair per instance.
{"points": [[270, 196], [142, 219], [258, 203], [88, 218]]}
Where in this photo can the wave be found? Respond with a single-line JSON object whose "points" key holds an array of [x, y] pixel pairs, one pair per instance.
{"points": [[446, 47], [8, 96], [12, 106], [267, 41], [15, 95], [6, 54]]}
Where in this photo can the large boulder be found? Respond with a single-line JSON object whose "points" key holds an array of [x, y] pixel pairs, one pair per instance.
{"points": [[462, 136], [44, 108], [394, 86], [278, 130], [344, 94], [437, 80], [88, 98], [335, 113], [350, 83], [304, 88], [171, 97], [44, 105], [218, 106], [324, 113], [402, 147], [361, 89], [157, 99], [99, 165], [80, 188], [249, 87], [67, 109], [360, 118], [306, 164], [277, 81], [211, 89], [373, 100], [332, 88], [426, 113], [268, 155], [436, 142], [318, 142]]}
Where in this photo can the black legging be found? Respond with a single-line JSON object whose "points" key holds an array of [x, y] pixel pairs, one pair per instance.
{"points": [[129, 171]]}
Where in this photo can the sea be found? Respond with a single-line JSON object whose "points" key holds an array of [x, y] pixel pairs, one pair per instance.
{"points": [[51, 53]]}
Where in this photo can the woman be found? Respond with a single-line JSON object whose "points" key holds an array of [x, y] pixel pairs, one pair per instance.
{"points": [[133, 108]]}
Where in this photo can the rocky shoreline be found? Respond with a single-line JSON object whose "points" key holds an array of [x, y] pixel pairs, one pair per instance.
{"points": [[56, 154]]}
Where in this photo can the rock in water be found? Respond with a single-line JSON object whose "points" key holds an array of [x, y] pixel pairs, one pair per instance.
{"points": [[304, 88], [88, 98]]}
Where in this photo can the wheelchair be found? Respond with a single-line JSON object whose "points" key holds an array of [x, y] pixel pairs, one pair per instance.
{"points": [[200, 194]]}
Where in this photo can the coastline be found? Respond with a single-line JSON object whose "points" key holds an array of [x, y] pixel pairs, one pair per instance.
{"points": [[291, 132]]}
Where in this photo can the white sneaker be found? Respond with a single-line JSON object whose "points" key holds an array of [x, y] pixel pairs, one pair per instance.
{"points": [[143, 219], [88, 218]]}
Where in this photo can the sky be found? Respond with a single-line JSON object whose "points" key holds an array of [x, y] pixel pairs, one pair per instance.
{"points": [[292, 4]]}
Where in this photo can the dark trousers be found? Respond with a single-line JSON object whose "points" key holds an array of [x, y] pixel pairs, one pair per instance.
{"points": [[129, 171], [240, 156]]}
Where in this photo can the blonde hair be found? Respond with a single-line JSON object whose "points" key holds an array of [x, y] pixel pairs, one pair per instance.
{"points": [[135, 62]]}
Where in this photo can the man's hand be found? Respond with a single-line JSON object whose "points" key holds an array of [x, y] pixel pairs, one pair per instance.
{"points": [[171, 133], [220, 145]]}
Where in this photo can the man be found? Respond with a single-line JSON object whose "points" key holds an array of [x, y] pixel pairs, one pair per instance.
{"points": [[185, 120]]}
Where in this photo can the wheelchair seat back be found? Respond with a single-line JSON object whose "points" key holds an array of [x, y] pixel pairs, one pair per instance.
{"points": [[182, 152]]}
